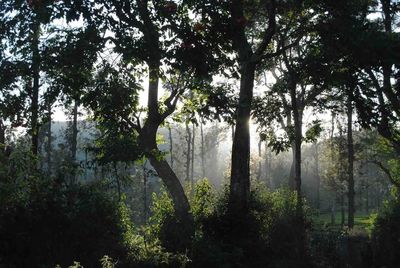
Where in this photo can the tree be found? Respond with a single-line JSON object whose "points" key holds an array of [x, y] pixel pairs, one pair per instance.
{"points": [[159, 36]]}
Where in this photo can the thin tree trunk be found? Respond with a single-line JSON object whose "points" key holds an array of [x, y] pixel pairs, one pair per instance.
{"points": [[318, 178], [144, 193], [188, 151], [240, 168], [170, 146], [192, 164], [350, 150], [2, 134], [292, 179], [203, 167], [74, 140], [342, 210], [35, 90], [117, 180], [49, 139], [367, 199], [259, 160], [268, 167], [333, 211]]}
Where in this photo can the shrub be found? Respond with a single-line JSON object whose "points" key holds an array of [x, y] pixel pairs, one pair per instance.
{"points": [[386, 235], [269, 235]]}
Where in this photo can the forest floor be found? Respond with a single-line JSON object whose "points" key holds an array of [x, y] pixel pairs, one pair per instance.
{"points": [[336, 244], [362, 220]]}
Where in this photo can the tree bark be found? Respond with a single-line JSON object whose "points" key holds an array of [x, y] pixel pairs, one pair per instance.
{"points": [[192, 164], [49, 139], [350, 151], [259, 160], [144, 193], [292, 179], [147, 142], [74, 137], [318, 178], [342, 209], [268, 166], [240, 168], [35, 90], [170, 146], [297, 110], [74, 140], [203, 167], [2, 134], [188, 151]]}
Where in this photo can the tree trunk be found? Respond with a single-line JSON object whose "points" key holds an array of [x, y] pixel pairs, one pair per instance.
{"points": [[342, 209], [170, 146], [2, 134], [297, 167], [144, 193], [203, 167], [333, 211], [318, 178], [192, 164], [259, 160], [49, 140], [74, 141], [292, 179], [117, 180], [268, 167], [35, 90], [350, 150], [297, 111], [147, 142], [74, 138], [188, 151], [367, 199], [240, 168]]}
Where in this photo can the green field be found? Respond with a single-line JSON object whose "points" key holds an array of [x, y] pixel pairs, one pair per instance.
{"points": [[361, 220]]}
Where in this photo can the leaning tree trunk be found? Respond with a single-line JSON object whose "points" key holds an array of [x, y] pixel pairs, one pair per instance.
{"points": [[350, 151], [35, 90], [148, 144], [240, 169]]}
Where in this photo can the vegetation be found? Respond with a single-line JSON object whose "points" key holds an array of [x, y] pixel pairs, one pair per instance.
{"points": [[127, 131]]}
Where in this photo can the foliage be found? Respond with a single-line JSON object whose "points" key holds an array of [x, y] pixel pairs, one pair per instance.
{"points": [[386, 235], [262, 238]]}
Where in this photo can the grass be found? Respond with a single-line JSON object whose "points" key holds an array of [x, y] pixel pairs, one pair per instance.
{"points": [[361, 220]]}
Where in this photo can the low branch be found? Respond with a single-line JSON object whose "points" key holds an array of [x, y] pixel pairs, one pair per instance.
{"points": [[386, 171]]}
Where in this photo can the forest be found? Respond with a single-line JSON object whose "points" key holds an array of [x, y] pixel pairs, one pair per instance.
{"points": [[199, 133]]}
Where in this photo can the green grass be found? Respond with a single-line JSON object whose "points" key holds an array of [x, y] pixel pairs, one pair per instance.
{"points": [[361, 220]]}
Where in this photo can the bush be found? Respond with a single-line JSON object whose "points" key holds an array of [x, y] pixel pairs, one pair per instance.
{"points": [[54, 225], [269, 235], [386, 235]]}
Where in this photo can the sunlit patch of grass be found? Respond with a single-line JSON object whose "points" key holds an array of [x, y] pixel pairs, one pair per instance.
{"points": [[362, 221]]}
